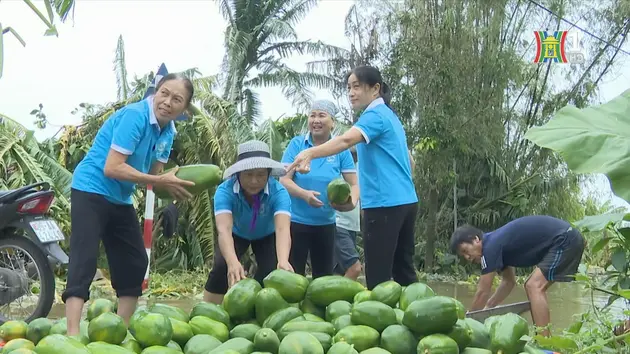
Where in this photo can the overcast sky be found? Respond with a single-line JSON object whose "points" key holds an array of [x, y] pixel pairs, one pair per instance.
{"points": [[77, 66]]}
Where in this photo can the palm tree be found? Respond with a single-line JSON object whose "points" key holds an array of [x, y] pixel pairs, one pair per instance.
{"points": [[259, 35], [60, 7], [368, 35]]}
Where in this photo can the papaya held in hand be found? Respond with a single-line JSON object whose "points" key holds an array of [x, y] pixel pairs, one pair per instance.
{"points": [[339, 191], [203, 175], [340, 195]]}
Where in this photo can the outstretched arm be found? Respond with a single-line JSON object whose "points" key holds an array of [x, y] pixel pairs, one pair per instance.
{"points": [[484, 289], [508, 280], [226, 242], [338, 144], [283, 236], [223, 215]]}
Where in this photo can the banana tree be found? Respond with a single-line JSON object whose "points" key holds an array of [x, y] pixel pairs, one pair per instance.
{"points": [[61, 8], [22, 162], [364, 31]]}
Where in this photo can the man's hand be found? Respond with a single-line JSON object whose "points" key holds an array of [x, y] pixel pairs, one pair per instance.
{"points": [[175, 186], [235, 273], [484, 289]]}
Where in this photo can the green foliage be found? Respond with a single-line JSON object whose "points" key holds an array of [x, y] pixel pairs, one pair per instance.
{"points": [[459, 84], [23, 162], [592, 140], [259, 35], [465, 93]]}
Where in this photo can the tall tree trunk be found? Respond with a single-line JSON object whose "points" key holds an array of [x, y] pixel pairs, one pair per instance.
{"points": [[430, 232]]}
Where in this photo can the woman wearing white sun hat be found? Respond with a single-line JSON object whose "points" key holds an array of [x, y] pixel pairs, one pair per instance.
{"points": [[252, 209]]}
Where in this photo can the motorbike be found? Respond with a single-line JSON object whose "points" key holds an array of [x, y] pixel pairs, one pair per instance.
{"points": [[31, 238]]}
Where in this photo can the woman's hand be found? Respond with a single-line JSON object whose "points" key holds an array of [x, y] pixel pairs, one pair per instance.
{"points": [[175, 186], [311, 198], [286, 266], [235, 273], [302, 162]]}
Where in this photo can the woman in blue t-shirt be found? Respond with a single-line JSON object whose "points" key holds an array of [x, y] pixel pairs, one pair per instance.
{"points": [[130, 148], [312, 216], [251, 209], [388, 195]]}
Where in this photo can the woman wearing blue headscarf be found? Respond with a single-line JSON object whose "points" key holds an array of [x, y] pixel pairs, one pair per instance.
{"points": [[312, 216]]}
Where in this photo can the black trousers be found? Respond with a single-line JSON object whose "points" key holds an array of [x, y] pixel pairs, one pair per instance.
{"points": [[389, 244], [96, 219], [264, 250], [319, 241]]}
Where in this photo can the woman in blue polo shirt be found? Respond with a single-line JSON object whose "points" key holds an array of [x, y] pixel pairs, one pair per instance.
{"points": [[251, 209], [130, 148], [388, 195], [313, 217]]}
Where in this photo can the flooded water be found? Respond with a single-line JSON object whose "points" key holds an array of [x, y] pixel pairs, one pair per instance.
{"points": [[565, 301]]}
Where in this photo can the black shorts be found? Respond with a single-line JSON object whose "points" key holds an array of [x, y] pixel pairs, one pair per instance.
{"points": [[346, 254], [264, 250], [95, 219], [563, 258]]}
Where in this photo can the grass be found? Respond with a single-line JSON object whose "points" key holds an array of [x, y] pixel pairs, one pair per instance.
{"points": [[169, 285]]}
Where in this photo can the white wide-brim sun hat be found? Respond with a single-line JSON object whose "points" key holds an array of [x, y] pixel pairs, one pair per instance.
{"points": [[254, 154]]}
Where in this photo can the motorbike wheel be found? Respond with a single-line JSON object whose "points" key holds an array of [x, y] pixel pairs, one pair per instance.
{"points": [[47, 276]]}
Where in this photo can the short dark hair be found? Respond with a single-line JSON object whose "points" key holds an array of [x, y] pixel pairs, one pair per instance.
{"points": [[464, 234], [371, 76], [179, 76]]}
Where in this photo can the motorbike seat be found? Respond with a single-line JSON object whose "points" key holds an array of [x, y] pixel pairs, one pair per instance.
{"points": [[3, 193]]}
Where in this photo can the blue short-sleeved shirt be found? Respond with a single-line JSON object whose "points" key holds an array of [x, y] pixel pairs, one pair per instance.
{"points": [[274, 199], [134, 131], [323, 170], [520, 243], [385, 171]]}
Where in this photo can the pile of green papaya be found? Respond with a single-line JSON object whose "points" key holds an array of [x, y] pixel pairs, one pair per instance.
{"points": [[289, 315]]}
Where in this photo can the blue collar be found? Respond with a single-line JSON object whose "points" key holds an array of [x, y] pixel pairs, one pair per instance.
{"points": [[307, 138], [153, 119], [375, 103], [237, 187]]}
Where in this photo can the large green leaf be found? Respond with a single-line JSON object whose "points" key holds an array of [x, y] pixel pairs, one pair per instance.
{"points": [[592, 140], [595, 223]]}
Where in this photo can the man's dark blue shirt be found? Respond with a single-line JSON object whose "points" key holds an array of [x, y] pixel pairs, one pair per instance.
{"points": [[520, 243]]}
